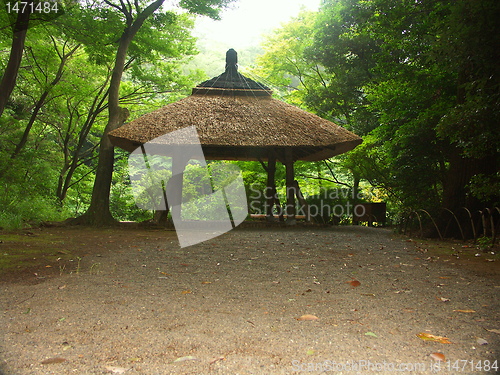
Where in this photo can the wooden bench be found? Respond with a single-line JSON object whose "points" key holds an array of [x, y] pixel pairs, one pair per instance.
{"points": [[370, 212]]}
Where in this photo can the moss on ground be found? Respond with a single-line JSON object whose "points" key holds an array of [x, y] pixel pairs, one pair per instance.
{"points": [[25, 249]]}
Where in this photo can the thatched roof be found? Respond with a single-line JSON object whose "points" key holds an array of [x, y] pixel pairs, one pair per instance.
{"points": [[237, 120]]}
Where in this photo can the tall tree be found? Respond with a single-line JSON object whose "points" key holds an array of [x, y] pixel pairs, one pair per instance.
{"points": [[19, 30], [470, 45]]}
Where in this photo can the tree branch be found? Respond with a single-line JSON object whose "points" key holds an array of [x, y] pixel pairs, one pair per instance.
{"points": [[333, 175], [325, 179]]}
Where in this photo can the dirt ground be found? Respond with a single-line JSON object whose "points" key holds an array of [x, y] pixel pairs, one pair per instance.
{"points": [[256, 300]]}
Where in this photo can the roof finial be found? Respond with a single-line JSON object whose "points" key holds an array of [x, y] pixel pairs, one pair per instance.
{"points": [[231, 61]]}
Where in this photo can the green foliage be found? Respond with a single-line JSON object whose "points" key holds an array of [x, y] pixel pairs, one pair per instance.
{"points": [[23, 213], [66, 70], [485, 188], [284, 63], [122, 201], [25, 194], [210, 8], [418, 80], [485, 243], [469, 45], [415, 79], [331, 205]]}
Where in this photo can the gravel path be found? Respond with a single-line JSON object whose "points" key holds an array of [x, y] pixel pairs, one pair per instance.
{"points": [[233, 305]]}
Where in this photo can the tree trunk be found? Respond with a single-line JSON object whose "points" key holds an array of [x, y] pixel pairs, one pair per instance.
{"points": [[270, 193], [290, 188], [461, 170], [16, 53], [98, 213], [355, 200], [160, 217], [455, 194]]}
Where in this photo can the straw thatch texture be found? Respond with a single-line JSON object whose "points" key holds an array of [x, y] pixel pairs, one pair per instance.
{"points": [[239, 127]]}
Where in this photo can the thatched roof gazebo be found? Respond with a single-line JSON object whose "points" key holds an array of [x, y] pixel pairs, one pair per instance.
{"points": [[237, 119]]}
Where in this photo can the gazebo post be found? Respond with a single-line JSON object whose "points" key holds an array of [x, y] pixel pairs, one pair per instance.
{"points": [[290, 187], [175, 184], [271, 187]]}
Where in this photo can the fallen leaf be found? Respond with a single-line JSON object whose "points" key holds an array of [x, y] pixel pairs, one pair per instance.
{"points": [[186, 358], [438, 357], [354, 283], [186, 292], [465, 311], [370, 334], [444, 299], [310, 352], [49, 361], [206, 282], [429, 337], [66, 345], [116, 370], [308, 317], [216, 360], [494, 330], [481, 341]]}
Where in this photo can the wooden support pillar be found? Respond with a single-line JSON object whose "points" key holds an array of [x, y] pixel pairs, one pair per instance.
{"points": [[290, 187], [160, 216], [271, 187], [175, 184]]}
